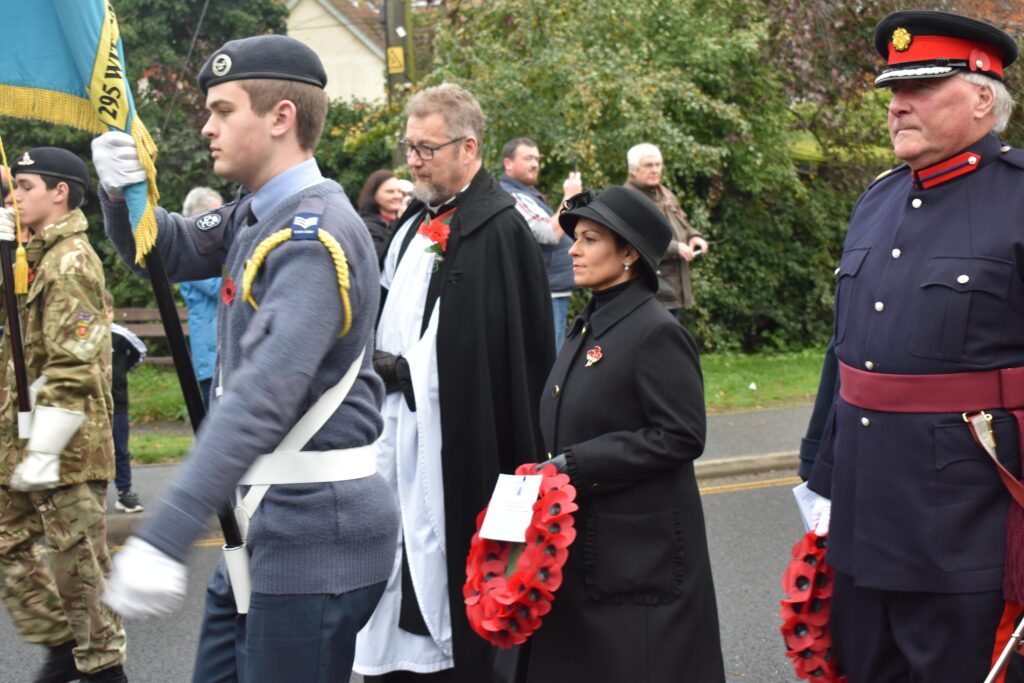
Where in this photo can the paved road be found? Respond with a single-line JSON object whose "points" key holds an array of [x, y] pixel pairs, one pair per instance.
{"points": [[752, 523]]}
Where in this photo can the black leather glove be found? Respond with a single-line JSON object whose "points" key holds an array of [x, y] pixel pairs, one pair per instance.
{"points": [[394, 370], [558, 461]]}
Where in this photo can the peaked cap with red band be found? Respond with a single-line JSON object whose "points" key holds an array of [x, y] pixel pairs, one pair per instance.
{"points": [[931, 44]]}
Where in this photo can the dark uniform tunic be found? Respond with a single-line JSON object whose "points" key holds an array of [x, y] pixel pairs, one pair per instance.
{"points": [[930, 281], [637, 602]]}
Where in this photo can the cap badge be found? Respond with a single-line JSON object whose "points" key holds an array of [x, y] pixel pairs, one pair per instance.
{"points": [[901, 39], [221, 64], [26, 160], [593, 356]]}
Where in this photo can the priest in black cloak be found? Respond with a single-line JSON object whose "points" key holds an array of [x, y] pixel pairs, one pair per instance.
{"points": [[464, 344]]}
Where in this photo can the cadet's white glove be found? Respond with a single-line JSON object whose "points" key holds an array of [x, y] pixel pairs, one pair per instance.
{"points": [[117, 162], [821, 513], [52, 429], [145, 582], [8, 228]]}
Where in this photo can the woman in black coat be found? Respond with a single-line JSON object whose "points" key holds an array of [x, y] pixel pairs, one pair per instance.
{"points": [[623, 414]]}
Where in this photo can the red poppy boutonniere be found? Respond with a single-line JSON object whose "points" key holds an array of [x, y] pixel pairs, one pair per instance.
{"points": [[227, 288], [437, 231], [593, 356]]}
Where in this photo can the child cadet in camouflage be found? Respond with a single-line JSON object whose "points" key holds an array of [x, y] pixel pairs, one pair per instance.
{"points": [[53, 485]]}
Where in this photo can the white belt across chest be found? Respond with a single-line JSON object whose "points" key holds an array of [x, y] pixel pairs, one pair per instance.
{"points": [[289, 465]]}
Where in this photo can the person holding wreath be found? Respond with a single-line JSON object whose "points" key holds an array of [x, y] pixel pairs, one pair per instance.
{"points": [[622, 414]]}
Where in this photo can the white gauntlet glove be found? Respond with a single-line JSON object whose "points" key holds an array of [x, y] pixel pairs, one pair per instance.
{"points": [[8, 228], [145, 582], [117, 162], [52, 429]]}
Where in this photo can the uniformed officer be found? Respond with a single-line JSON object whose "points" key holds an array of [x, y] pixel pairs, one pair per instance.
{"points": [[929, 318], [294, 339], [53, 486]]}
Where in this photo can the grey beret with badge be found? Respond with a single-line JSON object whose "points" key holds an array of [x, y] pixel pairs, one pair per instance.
{"points": [[271, 57]]}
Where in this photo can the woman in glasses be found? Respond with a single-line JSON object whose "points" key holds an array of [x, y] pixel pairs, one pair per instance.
{"points": [[623, 415]]}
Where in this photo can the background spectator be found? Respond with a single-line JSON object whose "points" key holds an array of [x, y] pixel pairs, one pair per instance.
{"points": [[521, 161], [128, 351], [380, 203], [201, 299]]}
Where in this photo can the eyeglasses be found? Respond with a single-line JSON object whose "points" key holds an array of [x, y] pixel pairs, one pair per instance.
{"points": [[424, 152]]}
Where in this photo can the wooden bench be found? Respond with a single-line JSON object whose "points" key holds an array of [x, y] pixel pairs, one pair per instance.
{"points": [[146, 324]]}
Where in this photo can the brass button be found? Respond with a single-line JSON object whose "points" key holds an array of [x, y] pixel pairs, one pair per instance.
{"points": [[963, 279], [549, 455], [879, 306], [556, 391], [869, 365], [896, 253], [866, 422], [916, 203]]}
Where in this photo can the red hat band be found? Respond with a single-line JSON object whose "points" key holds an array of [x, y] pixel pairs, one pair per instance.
{"points": [[979, 57]]}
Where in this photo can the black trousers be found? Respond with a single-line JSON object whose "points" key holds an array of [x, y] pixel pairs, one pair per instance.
{"points": [[902, 637]]}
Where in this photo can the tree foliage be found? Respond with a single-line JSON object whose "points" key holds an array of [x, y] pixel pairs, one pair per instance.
{"points": [[692, 78]]}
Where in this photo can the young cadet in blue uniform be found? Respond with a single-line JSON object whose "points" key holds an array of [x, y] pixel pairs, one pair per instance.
{"points": [[929, 310], [300, 319]]}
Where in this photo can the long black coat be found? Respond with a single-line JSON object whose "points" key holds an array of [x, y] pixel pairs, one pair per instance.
{"points": [[494, 349], [638, 602]]}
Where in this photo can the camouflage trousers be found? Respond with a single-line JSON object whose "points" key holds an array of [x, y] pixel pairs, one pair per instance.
{"points": [[52, 607]]}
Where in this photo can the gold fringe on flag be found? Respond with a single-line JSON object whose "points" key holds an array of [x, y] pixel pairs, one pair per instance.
{"points": [[20, 258], [50, 106], [145, 231]]}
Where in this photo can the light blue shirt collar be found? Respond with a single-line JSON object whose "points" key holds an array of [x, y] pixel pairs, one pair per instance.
{"points": [[284, 185]]}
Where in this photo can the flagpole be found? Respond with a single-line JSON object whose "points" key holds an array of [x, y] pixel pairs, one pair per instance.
{"points": [[186, 375], [14, 330]]}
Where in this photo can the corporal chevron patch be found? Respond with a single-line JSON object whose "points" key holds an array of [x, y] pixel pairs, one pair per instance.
{"points": [[305, 226]]}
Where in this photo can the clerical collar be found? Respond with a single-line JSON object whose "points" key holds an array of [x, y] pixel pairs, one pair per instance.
{"points": [[435, 209], [974, 157]]}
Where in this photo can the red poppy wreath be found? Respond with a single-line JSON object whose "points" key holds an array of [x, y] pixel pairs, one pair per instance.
{"points": [[805, 613], [510, 586]]}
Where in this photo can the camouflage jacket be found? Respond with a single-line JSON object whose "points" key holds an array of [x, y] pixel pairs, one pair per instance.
{"points": [[66, 336]]}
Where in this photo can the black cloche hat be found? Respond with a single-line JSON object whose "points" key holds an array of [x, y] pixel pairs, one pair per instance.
{"points": [[53, 161], [931, 44], [628, 214], [266, 57]]}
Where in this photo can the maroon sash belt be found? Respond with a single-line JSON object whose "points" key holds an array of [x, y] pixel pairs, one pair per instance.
{"points": [[957, 392]]}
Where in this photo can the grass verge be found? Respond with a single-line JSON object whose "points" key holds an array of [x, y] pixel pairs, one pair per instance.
{"points": [[151, 449], [732, 382], [737, 381]]}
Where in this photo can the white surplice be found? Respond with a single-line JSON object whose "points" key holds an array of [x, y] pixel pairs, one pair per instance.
{"points": [[409, 457]]}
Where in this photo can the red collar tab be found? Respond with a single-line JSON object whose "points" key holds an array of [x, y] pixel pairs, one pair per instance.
{"points": [[945, 171], [977, 56]]}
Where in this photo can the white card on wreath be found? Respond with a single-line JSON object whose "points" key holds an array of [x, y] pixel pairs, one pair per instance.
{"points": [[511, 508]]}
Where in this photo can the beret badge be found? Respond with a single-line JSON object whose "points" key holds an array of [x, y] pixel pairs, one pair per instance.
{"points": [[26, 160], [221, 65], [901, 39]]}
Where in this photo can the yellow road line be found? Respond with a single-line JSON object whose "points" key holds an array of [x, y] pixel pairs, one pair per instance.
{"points": [[749, 486]]}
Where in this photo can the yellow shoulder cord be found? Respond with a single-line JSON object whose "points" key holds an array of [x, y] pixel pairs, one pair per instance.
{"points": [[252, 266], [21, 258]]}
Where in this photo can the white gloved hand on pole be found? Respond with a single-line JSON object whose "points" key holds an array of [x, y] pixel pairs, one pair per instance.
{"points": [[116, 159], [8, 227], [821, 514], [145, 582], [52, 429]]}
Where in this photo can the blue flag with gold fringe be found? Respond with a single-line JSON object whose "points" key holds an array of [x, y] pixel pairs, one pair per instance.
{"points": [[63, 62]]}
